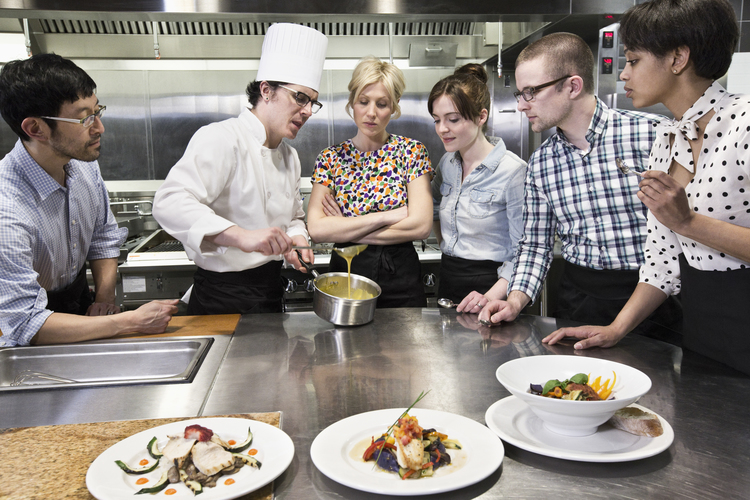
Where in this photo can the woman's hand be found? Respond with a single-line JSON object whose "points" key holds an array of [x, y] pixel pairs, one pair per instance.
{"points": [[666, 199], [593, 336]]}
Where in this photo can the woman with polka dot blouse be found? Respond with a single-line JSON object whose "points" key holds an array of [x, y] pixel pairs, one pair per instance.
{"points": [[697, 188], [375, 189]]}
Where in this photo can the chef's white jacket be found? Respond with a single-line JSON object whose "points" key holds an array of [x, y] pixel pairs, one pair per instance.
{"points": [[227, 177]]}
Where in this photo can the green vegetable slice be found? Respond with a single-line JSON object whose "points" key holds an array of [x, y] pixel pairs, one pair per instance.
{"points": [[157, 487], [136, 470]]}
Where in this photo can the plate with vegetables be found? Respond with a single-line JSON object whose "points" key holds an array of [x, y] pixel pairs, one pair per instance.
{"points": [[216, 458], [392, 452]]}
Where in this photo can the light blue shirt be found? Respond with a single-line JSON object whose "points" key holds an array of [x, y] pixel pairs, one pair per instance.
{"points": [[481, 217], [47, 232]]}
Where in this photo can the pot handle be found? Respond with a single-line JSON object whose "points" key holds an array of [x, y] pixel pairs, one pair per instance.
{"points": [[307, 265]]}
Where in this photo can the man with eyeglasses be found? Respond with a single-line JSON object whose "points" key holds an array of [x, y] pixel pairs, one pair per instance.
{"points": [[234, 199], [575, 192], [55, 215]]}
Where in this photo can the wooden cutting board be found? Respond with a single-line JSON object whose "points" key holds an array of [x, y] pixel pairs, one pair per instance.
{"points": [[50, 462], [180, 326]]}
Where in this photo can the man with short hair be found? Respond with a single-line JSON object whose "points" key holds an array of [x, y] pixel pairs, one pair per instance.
{"points": [[55, 215], [575, 191]]}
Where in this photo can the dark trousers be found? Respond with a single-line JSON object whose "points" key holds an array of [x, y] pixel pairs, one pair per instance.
{"points": [[72, 299], [252, 291], [395, 268], [595, 297], [459, 277], [717, 314]]}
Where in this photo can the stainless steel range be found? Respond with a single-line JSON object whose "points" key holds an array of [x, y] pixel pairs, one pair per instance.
{"points": [[154, 265]]}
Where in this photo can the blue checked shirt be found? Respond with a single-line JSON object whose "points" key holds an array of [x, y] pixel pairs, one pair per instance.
{"points": [[583, 198], [47, 232]]}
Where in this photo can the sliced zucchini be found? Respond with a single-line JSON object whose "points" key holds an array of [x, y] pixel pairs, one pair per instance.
{"points": [[153, 449], [252, 461], [452, 444], [137, 470], [414, 475], [243, 445], [195, 487], [156, 488]]}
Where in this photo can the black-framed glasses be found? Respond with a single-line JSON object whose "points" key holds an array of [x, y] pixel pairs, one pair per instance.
{"points": [[302, 99], [86, 122], [530, 92]]}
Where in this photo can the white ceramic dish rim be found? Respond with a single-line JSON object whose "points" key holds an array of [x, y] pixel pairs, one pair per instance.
{"points": [[331, 447], [515, 408], [105, 480]]}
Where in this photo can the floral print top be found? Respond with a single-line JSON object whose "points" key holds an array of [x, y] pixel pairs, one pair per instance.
{"points": [[371, 181]]}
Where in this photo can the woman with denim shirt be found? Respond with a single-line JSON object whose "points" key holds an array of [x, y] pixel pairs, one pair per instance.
{"points": [[477, 193]]}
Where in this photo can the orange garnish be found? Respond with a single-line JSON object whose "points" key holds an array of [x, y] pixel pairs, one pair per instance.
{"points": [[142, 480], [252, 451], [229, 481], [170, 491], [143, 462], [231, 442]]}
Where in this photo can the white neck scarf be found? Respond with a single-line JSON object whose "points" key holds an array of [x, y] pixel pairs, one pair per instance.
{"points": [[683, 130]]}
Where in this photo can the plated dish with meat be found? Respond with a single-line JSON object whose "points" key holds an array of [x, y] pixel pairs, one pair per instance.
{"points": [[417, 464], [216, 458]]}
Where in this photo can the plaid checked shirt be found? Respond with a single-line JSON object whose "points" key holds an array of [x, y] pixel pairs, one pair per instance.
{"points": [[583, 198]]}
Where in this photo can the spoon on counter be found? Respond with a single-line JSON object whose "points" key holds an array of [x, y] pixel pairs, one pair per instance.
{"points": [[446, 303]]}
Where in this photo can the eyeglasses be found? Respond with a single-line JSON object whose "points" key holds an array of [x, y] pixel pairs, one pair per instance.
{"points": [[302, 99], [530, 92], [86, 122]]}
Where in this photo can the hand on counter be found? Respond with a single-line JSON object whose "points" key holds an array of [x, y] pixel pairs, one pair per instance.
{"points": [[102, 309]]}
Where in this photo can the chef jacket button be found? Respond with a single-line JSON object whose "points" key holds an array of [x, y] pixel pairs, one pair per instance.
{"points": [[288, 195], [268, 195]]}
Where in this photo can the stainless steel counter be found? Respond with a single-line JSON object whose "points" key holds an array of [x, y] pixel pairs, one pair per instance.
{"points": [[318, 374]]}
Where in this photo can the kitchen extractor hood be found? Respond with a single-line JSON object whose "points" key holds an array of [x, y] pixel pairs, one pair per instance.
{"points": [[229, 29]]}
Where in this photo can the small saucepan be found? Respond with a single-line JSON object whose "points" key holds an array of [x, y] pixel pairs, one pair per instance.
{"points": [[330, 304]]}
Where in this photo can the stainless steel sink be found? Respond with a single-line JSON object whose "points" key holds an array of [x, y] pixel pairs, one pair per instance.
{"points": [[123, 362]]}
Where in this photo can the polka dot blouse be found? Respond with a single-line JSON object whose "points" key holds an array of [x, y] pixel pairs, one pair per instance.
{"points": [[720, 189]]}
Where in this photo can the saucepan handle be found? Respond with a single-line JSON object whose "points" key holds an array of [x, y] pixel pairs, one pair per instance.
{"points": [[306, 264]]}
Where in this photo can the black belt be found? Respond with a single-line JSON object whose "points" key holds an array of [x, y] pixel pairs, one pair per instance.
{"points": [[74, 298]]}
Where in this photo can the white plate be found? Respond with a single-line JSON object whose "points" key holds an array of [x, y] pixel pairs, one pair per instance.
{"points": [[106, 481], [331, 452], [512, 420]]}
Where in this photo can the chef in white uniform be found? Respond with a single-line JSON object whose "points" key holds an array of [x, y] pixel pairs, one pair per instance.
{"points": [[233, 199]]}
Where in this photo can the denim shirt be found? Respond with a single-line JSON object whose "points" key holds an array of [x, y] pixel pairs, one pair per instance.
{"points": [[481, 216]]}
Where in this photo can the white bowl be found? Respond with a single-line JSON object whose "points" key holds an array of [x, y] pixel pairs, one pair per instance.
{"points": [[572, 418]]}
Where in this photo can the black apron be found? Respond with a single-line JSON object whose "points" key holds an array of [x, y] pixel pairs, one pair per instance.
{"points": [[395, 268], [459, 277], [72, 299], [717, 321], [596, 296], [253, 291]]}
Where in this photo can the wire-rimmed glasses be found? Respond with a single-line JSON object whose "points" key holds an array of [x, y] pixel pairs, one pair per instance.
{"points": [[86, 122]]}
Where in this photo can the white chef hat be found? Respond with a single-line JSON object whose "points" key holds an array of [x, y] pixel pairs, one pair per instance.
{"points": [[293, 53]]}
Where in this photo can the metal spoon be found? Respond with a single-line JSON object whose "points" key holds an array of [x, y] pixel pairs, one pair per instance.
{"points": [[350, 251], [446, 303], [625, 169]]}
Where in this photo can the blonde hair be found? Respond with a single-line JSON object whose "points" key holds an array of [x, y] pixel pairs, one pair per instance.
{"points": [[372, 70]]}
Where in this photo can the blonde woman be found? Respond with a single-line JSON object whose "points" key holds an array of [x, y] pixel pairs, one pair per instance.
{"points": [[374, 189]]}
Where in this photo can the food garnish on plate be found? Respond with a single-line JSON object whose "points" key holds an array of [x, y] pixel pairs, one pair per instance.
{"points": [[576, 388], [198, 458], [412, 452], [636, 421]]}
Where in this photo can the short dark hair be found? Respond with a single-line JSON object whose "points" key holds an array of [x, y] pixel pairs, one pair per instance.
{"points": [[39, 86], [467, 88], [564, 54], [253, 90], [707, 27]]}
